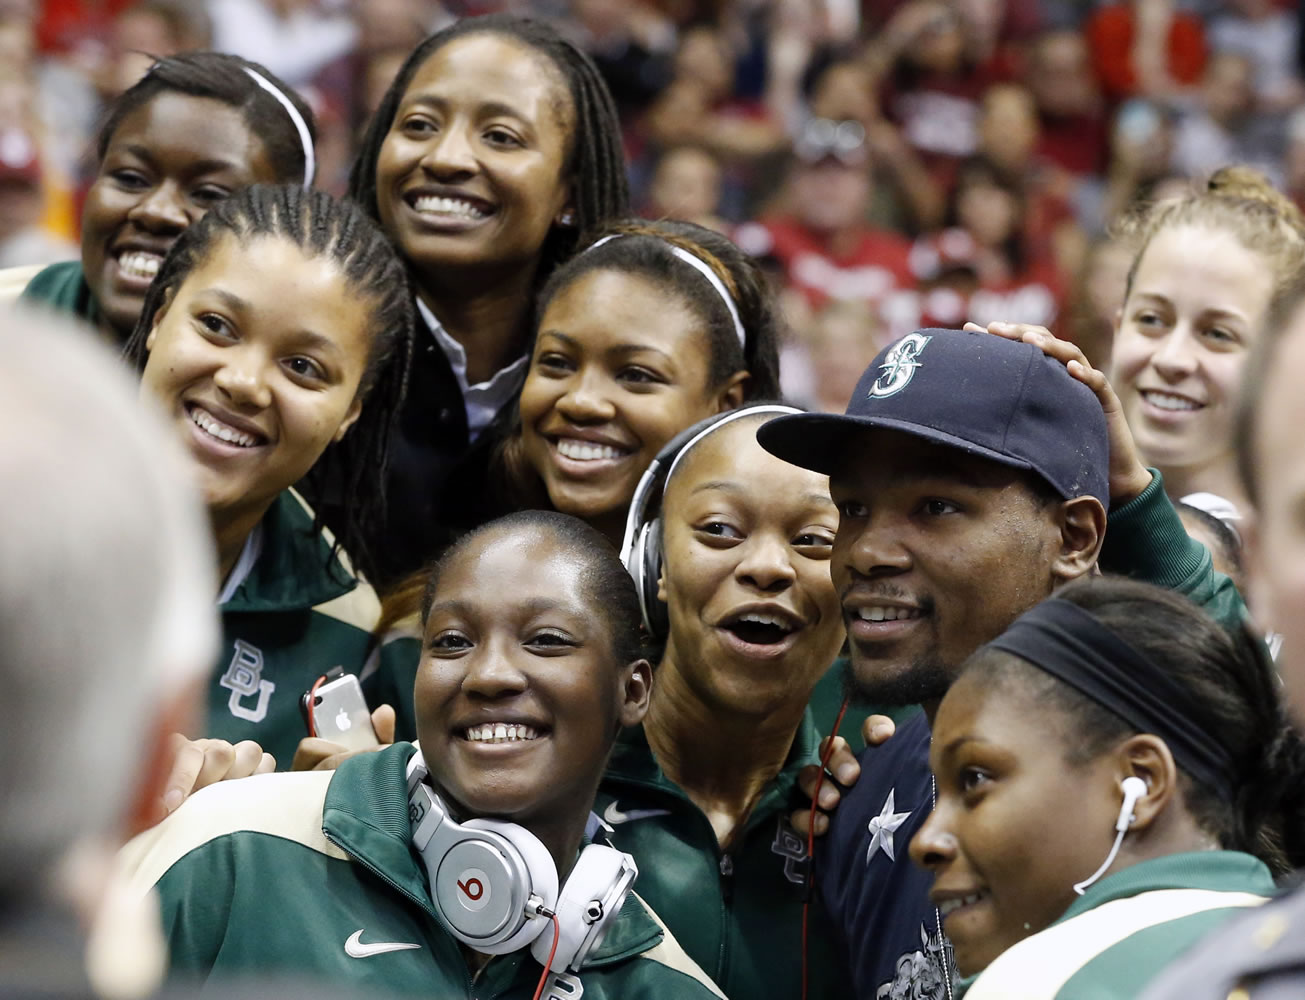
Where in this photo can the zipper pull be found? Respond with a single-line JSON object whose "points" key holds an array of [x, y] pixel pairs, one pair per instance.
{"points": [[726, 865]]}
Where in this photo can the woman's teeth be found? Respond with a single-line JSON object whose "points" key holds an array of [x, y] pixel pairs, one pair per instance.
{"points": [[586, 451], [887, 614], [215, 428], [759, 619], [1166, 401], [449, 206], [499, 732], [140, 265], [950, 905]]}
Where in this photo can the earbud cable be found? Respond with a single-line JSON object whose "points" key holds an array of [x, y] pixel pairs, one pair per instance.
{"points": [[1079, 887], [557, 933], [811, 839]]}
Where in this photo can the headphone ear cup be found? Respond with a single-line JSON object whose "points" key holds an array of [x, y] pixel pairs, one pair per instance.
{"points": [[588, 904], [481, 885], [650, 571]]}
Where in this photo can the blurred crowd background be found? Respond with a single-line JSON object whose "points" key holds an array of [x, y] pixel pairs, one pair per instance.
{"points": [[895, 163]]}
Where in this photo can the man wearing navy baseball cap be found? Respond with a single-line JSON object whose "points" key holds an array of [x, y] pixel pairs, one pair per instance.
{"points": [[973, 474]]}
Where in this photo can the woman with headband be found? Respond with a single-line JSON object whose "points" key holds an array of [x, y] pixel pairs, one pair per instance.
{"points": [[196, 128], [654, 327], [1115, 776], [729, 548]]}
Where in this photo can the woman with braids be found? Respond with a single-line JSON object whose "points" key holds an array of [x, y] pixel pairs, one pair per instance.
{"points": [[1115, 775], [1206, 268], [495, 146], [276, 338], [195, 129]]}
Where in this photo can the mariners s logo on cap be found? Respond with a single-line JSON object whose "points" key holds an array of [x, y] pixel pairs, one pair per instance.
{"points": [[899, 365]]}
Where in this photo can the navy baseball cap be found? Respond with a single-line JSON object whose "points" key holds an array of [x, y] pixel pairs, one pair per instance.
{"points": [[1000, 399]]}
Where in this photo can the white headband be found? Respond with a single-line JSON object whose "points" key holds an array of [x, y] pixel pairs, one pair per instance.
{"points": [[301, 126], [702, 268]]}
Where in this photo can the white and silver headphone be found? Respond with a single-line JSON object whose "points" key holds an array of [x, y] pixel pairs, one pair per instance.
{"points": [[494, 885]]}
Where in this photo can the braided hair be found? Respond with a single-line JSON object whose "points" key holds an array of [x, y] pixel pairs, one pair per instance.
{"points": [[321, 227], [595, 163], [222, 77], [644, 249]]}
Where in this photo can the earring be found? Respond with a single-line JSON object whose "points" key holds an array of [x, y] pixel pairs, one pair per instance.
{"points": [[567, 219]]}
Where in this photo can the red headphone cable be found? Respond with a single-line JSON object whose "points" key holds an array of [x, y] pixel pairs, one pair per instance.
{"points": [[557, 933], [811, 839]]}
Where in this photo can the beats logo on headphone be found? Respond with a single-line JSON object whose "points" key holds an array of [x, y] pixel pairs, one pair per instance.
{"points": [[494, 885]]}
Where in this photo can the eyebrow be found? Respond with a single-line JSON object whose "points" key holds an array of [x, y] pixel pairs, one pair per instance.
{"points": [[739, 489], [616, 349], [198, 167], [491, 109], [310, 338], [1212, 311], [535, 606]]}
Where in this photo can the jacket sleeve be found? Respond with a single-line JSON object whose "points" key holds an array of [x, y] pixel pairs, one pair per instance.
{"points": [[1146, 540]]}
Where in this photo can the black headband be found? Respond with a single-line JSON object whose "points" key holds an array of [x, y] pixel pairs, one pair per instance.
{"points": [[1069, 643]]}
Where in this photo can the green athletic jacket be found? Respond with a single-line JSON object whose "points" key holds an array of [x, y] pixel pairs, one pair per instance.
{"points": [[1125, 929], [63, 287], [307, 874], [738, 913], [293, 618]]}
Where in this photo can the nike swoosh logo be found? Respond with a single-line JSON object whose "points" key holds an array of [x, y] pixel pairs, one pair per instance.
{"points": [[613, 814], [355, 948]]}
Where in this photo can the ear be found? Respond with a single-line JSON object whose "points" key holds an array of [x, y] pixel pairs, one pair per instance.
{"points": [[1147, 757], [159, 313], [661, 587], [636, 690], [566, 215], [730, 396], [1082, 525], [1118, 320], [350, 418]]}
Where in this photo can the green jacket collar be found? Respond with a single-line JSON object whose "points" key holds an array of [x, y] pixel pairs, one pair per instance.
{"points": [[63, 287], [1223, 871], [295, 569], [366, 814], [633, 761]]}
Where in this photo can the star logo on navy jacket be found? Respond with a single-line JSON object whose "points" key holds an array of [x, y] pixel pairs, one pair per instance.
{"points": [[882, 828]]}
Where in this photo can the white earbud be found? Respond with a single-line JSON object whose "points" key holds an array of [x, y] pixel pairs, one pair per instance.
{"points": [[1134, 789]]}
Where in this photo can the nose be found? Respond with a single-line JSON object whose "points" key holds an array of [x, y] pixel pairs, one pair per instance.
{"points": [[934, 845], [492, 674], [877, 549], [1175, 355], [450, 153], [241, 378], [161, 210], [585, 400], [765, 563]]}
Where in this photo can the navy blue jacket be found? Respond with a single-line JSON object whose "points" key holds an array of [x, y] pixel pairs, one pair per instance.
{"points": [[878, 901]]}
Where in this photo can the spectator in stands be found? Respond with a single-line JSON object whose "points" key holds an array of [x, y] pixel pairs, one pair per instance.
{"points": [[686, 185], [1268, 35], [1073, 132], [1145, 48]]}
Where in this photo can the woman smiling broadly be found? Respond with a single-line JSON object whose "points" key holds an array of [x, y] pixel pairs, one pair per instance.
{"points": [[653, 327], [1115, 776], [734, 578], [495, 146], [196, 128], [440, 868], [1206, 269], [264, 379]]}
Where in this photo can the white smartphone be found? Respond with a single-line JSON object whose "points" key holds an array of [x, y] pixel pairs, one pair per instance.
{"points": [[336, 711]]}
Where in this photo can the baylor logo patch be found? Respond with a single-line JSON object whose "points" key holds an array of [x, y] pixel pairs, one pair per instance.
{"points": [[244, 679], [899, 365]]}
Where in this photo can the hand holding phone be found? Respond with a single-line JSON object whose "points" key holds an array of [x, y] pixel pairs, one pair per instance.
{"points": [[334, 710]]}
